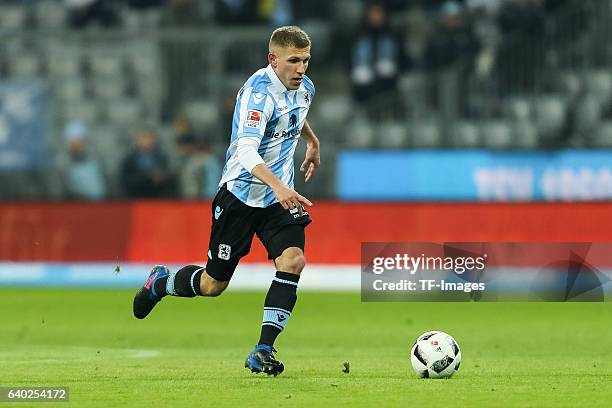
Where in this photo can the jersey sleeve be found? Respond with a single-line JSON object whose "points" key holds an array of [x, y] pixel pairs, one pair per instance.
{"points": [[255, 110]]}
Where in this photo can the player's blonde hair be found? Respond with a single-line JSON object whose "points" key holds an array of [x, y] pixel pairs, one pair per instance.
{"points": [[289, 36]]}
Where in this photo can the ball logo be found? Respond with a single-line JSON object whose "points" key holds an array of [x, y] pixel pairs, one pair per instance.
{"points": [[434, 342]]}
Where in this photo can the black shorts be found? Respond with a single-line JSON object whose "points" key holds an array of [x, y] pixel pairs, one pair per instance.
{"points": [[233, 225]]}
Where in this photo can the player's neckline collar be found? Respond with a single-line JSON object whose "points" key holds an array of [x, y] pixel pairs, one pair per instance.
{"points": [[277, 83]]}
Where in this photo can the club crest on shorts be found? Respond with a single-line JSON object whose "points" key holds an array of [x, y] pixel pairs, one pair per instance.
{"points": [[296, 212], [224, 252]]}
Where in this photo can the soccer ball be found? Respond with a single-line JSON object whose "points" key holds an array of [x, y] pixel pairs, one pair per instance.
{"points": [[435, 354]]}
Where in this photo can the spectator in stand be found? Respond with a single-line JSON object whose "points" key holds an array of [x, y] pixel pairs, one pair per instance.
{"points": [[81, 13], [276, 12], [453, 39], [182, 13], [312, 10], [144, 15], [145, 172], [415, 26], [145, 4], [82, 176], [376, 56], [200, 170], [236, 11], [522, 16], [522, 23]]}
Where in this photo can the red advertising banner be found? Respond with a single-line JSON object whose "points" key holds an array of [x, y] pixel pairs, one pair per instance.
{"points": [[177, 232]]}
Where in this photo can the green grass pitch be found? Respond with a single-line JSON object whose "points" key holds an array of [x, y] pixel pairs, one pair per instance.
{"points": [[190, 352]]}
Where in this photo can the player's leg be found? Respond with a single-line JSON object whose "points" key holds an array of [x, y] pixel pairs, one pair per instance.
{"points": [[282, 294], [191, 281], [231, 236], [286, 247]]}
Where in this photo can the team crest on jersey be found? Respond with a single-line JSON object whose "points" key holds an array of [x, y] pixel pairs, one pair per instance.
{"points": [[307, 98], [253, 119], [224, 252]]}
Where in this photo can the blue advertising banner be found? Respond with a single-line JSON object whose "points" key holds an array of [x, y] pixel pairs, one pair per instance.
{"points": [[566, 175], [23, 125]]}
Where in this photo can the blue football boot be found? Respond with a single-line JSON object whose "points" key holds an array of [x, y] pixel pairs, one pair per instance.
{"points": [[261, 359], [146, 298]]}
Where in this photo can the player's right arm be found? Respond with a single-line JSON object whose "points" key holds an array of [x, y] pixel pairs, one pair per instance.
{"points": [[255, 111], [287, 197]]}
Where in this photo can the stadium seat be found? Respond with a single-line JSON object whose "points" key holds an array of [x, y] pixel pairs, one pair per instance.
{"points": [[360, 135], [550, 113], [587, 114], [602, 137], [206, 10], [110, 144], [87, 111], [109, 88], [124, 112], [334, 109], [412, 88], [496, 134], [104, 63], [518, 108], [320, 34], [12, 17], [69, 90], [524, 135], [425, 134], [392, 135], [568, 83], [599, 84], [464, 135], [49, 14], [63, 62], [203, 113], [143, 65], [349, 12], [24, 66], [108, 137], [142, 58]]}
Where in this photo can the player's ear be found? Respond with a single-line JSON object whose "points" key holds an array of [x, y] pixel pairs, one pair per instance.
{"points": [[272, 59]]}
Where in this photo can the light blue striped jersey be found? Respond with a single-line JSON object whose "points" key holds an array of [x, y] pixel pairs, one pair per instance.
{"points": [[267, 111]]}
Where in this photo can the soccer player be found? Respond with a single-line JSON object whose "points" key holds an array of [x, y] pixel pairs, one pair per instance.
{"points": [[256, 195]]}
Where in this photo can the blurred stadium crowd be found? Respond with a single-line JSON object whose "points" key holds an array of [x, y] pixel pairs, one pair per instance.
{"points": [[141, 92]]}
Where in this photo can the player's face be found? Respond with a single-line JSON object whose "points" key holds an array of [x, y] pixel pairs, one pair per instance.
{"points": [[290, 65]]}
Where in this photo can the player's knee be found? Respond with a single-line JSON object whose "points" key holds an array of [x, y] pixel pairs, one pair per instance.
{"points": [[292, 260]]}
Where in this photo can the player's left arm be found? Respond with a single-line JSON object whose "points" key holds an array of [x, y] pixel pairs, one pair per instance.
{"points": [[313, 152]]}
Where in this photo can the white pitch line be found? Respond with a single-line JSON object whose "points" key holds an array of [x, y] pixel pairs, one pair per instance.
{"points": [[70, 358]]}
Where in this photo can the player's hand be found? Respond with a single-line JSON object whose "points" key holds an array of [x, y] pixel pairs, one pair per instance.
{"points": [[289, 198], [311, 162]]}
